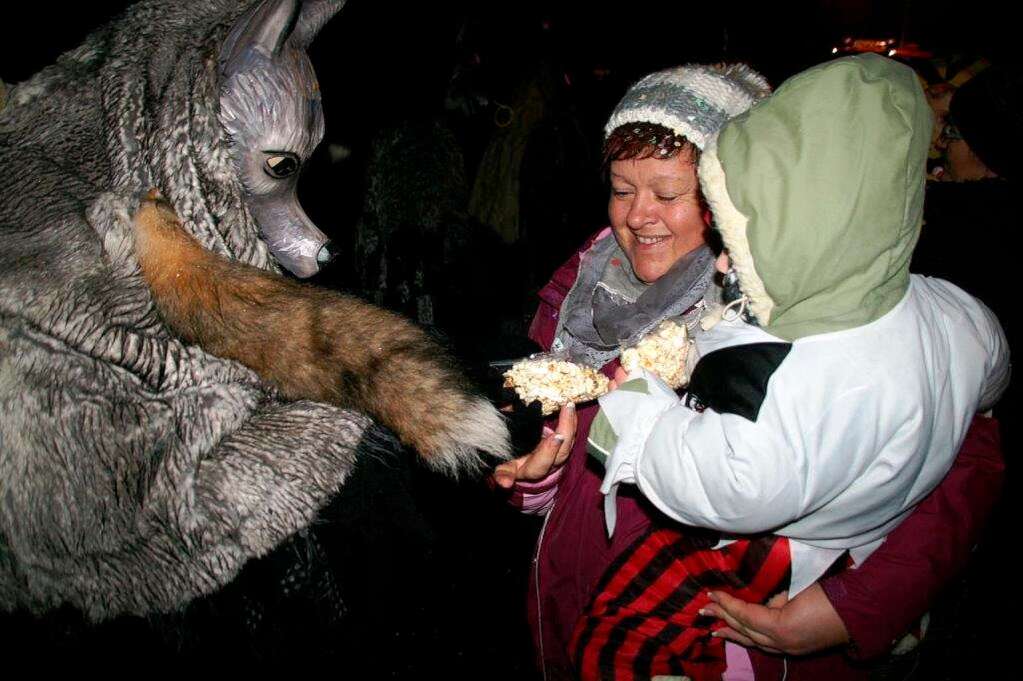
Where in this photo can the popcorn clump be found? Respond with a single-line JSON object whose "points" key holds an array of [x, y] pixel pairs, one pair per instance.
{"points": [[662, 351], [554, 383]]}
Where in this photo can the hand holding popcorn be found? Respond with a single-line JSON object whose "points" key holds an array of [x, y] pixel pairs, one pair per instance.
{"points": [[663, 352], [555, 383]]}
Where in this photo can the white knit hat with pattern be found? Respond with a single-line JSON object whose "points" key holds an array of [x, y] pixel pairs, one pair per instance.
{"points": [[694, 100]]}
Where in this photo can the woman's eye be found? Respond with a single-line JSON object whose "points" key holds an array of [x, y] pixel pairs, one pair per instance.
{"points": [[621, 193], [281, 166], [661, 197]]}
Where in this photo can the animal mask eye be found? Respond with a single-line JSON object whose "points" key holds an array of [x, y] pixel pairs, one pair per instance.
{"points": [[280, 166]]}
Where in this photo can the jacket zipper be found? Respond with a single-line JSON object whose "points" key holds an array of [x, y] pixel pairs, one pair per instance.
{"points": [[536, 587]]}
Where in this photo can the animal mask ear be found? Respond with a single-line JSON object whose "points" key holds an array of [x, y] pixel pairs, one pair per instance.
{"points": [[265, 29], [314, 14]]}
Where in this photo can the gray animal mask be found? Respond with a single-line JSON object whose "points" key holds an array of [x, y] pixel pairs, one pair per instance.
{"points": [[215, 103], [270, 108]]}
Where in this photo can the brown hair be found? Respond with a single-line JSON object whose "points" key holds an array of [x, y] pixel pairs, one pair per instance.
{"points": [[646, 140]]}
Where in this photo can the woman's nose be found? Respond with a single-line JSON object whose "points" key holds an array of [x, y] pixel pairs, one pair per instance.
{"points": [[639, 213]]}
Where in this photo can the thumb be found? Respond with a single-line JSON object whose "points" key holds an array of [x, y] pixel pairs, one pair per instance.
{"points": [[538, 464], [778, 600], [506, 473], [736, 607]]}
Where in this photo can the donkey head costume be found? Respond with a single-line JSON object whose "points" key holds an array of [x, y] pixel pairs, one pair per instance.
{"points": [[137, 471]]}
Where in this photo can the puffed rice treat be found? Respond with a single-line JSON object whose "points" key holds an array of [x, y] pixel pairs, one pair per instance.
{"points": [[662, 351], [554, 383]]}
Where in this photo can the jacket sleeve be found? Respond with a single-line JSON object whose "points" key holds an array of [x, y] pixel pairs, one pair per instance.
{"points": [[719, 471], [880, 600], [976, 320], [536, 498], [137, 498], [999, 369], [545, 321]]}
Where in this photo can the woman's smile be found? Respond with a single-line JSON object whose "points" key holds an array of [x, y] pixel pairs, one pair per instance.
{"points": [[655, 212], [652, 240]]}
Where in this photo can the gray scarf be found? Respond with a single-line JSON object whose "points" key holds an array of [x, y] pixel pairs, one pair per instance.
{"points": [[609, 307]]}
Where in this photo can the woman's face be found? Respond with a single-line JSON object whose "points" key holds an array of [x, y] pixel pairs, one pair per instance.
{"points": [[655, 212]]}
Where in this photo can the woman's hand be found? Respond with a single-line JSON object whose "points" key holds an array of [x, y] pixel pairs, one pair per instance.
{"points": [[806, 624], [549, 454]]}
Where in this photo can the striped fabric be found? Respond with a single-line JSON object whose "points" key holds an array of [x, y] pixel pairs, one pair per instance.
{"points": [[645, 621]]}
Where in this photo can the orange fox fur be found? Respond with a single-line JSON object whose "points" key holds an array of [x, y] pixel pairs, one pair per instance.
{"points": [[314, 343]]}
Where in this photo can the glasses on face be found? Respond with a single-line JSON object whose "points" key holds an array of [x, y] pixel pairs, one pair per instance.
{"points": [[950, 133]]}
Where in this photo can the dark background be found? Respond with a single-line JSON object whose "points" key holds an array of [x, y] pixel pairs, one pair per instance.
{"points": [[434, 571], [383, 65], [409, 40]]}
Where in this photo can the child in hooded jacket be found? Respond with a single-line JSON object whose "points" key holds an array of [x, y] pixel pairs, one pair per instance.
{"points": [[829, 399]]}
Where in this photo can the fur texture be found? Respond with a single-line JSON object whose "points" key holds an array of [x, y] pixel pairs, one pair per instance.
{"points": [[138, 471], [316, 344]]}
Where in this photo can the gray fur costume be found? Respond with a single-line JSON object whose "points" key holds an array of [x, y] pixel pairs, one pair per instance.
{"points": [[136, 472]]}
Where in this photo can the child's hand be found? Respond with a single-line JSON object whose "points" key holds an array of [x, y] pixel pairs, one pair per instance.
{"points": [[621, 375], [806, 624]]}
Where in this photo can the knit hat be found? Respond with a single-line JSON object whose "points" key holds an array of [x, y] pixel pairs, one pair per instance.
{"points": [[987, 110], [692, 101]]}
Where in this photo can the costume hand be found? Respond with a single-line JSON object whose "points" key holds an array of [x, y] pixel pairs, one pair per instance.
{"points": [[551, 453], [805, 624]]}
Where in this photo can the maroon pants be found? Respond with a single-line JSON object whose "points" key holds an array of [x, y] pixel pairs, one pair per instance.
{"points": [[645, 619]]}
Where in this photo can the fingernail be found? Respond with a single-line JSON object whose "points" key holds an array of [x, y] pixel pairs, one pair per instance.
{"points": [[570, 405], [559, 437], [548, 431], [715, 634], [703, 611]]}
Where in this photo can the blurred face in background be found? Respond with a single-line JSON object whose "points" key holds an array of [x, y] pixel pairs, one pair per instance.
{"points": [[655, 211], [939, 96], [961, 164]]}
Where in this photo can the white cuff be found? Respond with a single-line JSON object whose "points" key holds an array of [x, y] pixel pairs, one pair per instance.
{"points": [[632, 416]]}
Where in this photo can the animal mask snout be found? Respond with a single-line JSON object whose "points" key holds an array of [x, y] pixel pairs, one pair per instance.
{"points": [[326, 255]]}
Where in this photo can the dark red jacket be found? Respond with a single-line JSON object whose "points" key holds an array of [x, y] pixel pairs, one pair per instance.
{"points": [[878, 602]]}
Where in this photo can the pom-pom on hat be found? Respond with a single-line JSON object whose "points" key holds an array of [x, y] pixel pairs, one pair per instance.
{"points": [[693, 101]]}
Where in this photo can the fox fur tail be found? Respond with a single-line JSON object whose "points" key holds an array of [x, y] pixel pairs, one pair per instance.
{"points": [[313, 343]]}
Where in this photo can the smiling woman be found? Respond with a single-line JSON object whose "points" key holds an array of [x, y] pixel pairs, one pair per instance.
{"points": [[655, 206], [657, 266]]}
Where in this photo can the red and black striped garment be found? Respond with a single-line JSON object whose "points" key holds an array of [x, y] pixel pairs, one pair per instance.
{"points": [[645, 621]]}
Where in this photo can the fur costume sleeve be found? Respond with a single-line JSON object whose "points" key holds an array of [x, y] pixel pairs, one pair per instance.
{"points": [[139, 470]]}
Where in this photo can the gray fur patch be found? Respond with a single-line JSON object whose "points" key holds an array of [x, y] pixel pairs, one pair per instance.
{"points": [[136, 472]]}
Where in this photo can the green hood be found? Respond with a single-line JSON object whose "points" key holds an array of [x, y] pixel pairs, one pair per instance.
{"points": [[818, 194]]}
